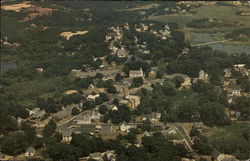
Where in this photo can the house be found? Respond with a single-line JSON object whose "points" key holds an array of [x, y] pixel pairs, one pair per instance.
{"points": [[136, 73], [40, 70], [155, 116], [92, 97], [245, 71], [227, 72], [124, 127], [134, 100], [65, 112], [237, 67], [111, 35], [236, 91], [66, 134], [85, 129], [203, 75], [217, 156], [198, 125], [106, 129], [96, 156], [121, 53], [110, 155], [30, 152], [36, 113], [87, 116]]}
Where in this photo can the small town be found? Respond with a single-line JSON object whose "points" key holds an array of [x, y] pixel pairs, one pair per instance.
{"points": [[124, 87]]}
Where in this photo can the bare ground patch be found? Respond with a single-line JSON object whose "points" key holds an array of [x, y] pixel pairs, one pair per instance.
{"points": [[68, 35]]}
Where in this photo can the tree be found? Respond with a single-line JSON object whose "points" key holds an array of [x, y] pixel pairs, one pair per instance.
{"points": [[14, 144], [122, 114], [75, 111], [118, 77], [178, 80], [103, 109], [202, 145], [136, 82], [63, 152], [58, 136], [194, 132], [112, 89], [49, 129], [99, 76], [213, 113]]}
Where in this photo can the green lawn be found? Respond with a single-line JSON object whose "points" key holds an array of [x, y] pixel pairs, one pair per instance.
{"points": [[234, 130], [227, 13], [43, 87]]}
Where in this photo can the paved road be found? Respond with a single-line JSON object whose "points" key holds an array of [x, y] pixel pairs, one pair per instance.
{"points": [[184, 133]]}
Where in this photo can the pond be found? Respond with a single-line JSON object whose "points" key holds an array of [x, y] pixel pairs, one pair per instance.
{"points": [[5, 66], [202, 37]]}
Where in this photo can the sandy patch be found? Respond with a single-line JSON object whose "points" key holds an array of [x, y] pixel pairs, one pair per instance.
{"points": [[68, 92], [67, 35], [17, 7], [143, 7], [35, 11]]}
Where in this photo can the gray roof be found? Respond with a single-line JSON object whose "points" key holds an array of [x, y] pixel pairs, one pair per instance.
{"points": [[106, 129], [112, 34], [122, 52], [30, 150], [86, 129], [215, 154]]}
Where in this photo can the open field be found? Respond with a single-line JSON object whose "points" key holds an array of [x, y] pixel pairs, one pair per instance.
{"points": [[209, 11], [17, 7], [234, 129], [68, 35]]}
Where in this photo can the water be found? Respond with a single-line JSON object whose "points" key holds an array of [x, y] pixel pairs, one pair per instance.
{"points": [[203, 37], [5, 66]]}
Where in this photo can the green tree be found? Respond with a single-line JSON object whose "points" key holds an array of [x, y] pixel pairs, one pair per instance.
{"points": [[49, 129], [213, 113], [75, 111], [63, 152], [136, 82]]}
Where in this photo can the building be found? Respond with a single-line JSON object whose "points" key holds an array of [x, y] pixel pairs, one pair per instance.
{"points": [[199, 125], [66, 134], [217, 156], [203, 75], [236, 91], [30, 152], [237, 67], [122, 53], [92, 97], [110, 155], [86, 117], [111, 35], [136, 73], [36, 113], [124, 127], [227, 72], [134, 100], [96, 156]]}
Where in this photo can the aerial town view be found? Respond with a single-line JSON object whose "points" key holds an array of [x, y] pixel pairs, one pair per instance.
{"points": [[125, 80]]}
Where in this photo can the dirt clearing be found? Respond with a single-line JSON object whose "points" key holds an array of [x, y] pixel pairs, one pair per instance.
{"points": [[68, 35]]}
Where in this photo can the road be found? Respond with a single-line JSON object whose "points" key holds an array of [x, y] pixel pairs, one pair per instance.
{"points": [[183, 132], [210, 43]]}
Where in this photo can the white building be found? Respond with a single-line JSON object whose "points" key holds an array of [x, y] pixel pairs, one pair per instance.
{"points": [[136, 73]]}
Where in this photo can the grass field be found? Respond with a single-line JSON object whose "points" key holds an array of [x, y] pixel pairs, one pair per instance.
{"points": [[209, 11], [43, 88], [234, 130]]}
